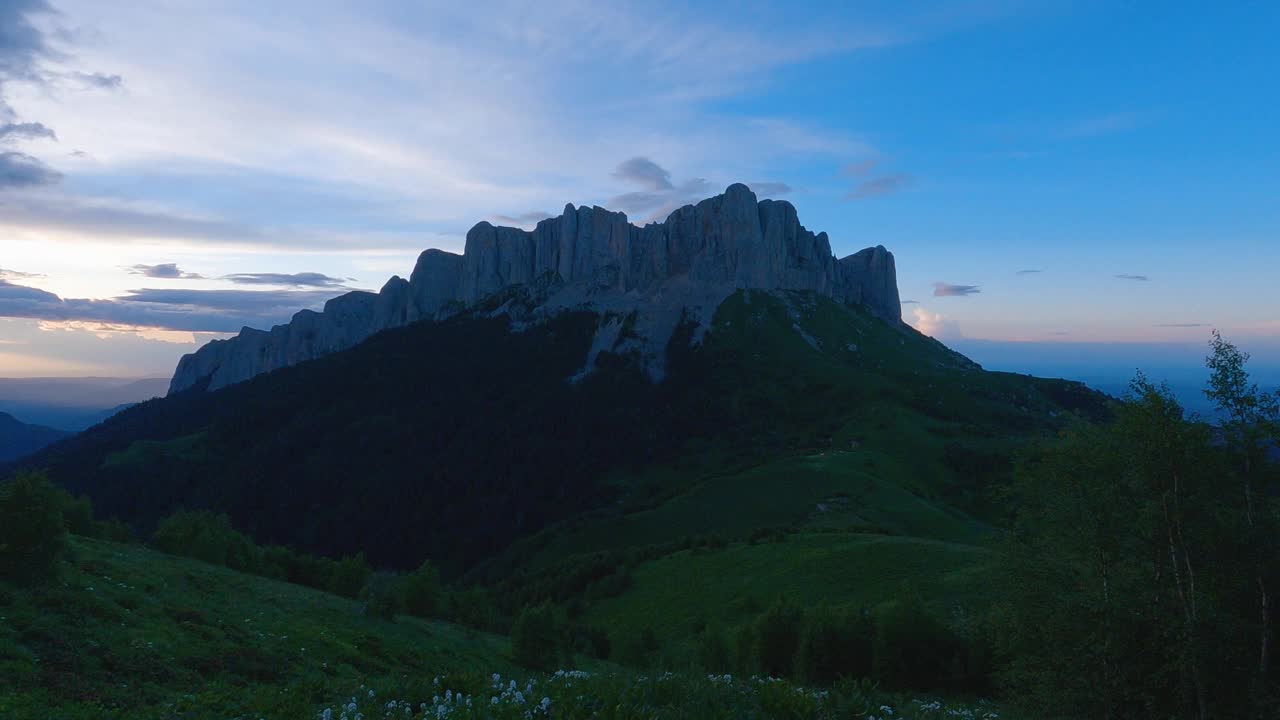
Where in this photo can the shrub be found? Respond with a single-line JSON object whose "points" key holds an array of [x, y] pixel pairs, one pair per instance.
{"points": [[33, 535], [913, 648], [835, 644], [778, 638], [348, 576], [472, 608], [209, 537], [745, 660], [382, 596], [713, 650], [422, 591], [538, 637]]}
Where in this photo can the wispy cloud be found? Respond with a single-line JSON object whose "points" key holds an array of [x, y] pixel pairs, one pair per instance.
{"points": [[185, 310], [910, 302], [167, 271], [644, 172], [1182, 325], [524, 219], [860, 168], [942, 289], [303, 279], [658, 196], [1105, 124], [1028, 272], [26, 130], [883, 185], [1136, 278], [7, 274], [770, 189], [19, 170]]}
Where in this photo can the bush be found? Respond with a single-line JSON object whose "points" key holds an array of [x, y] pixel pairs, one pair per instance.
{"points": [[472, 608], [539, 637], [348, 576], [778, 638], [913, 648], [835, 645], [713, 650], [422, 591], [382, 596], [209, 537], [33, 534]]}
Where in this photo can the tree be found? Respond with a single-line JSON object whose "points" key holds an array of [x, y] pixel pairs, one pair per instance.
{"points": [[539, 637], [422, 591], [1126, 582], [1250, 421], [835, 644], [33, 535], [777, 638]]}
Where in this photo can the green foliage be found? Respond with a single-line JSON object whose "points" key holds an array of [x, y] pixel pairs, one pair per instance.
{"points": [[382, 595], [835, 644], [129, 632], [777, 638], [33, 534], [914, 648], [713, 650], [473, 608], [348, 575], [1131, 580], [539, 637], [422, 591], [206, 536]]}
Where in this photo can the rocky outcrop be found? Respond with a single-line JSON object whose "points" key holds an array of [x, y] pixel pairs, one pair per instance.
{"points": [[588, 256]]}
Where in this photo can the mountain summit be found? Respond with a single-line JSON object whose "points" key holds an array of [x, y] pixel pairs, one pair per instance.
{"points": [[648, 279]]}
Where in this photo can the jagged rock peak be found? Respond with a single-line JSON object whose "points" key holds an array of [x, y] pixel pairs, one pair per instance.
{"points": [[591, 255]]}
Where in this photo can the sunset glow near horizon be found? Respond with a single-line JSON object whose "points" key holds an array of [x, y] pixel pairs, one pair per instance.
{"points": [[1079, 179]]}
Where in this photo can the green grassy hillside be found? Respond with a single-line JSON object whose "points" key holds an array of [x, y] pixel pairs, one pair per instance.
{"points": [[127, 632]]}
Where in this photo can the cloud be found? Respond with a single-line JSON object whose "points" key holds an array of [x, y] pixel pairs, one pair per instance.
{"points": [[23, 50], [770, 189], [860, 168], [18, 170], [27, 130], [909, 302], [659, 196], [303, 279], [98, 80], [218, 311], [882, 185], [644, 172], [934, 325], [1028, 272], [1107, 124], [941, 289], [168, 271], [523, 219], [6, 274], [1136, 278], [1182, 325]]}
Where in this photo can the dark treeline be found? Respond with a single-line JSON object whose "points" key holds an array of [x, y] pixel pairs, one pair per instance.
{"points": [[1139, 579]]}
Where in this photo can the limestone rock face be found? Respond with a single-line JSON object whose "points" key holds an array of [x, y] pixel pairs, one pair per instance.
{"points": [[590, 256]]}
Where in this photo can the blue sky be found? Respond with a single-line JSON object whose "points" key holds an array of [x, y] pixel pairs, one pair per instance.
{"points": [[1096, 144]]}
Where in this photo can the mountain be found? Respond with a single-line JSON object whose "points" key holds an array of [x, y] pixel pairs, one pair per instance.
{"points": [[587, 258], [17, 439], [73, 404]]}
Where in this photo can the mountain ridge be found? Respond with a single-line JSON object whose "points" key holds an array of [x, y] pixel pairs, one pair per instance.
{"points": [[19, 439], [658, 275]]}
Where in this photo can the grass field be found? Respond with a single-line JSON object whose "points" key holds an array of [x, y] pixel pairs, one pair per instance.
{"points": [[131, 633], [674, 595]]}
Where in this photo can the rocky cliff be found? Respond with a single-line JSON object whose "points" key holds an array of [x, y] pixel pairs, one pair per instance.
{"points": [[657, 276]]}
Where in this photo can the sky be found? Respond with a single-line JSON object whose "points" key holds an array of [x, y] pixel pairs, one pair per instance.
{"points": [[1068, 187]]}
